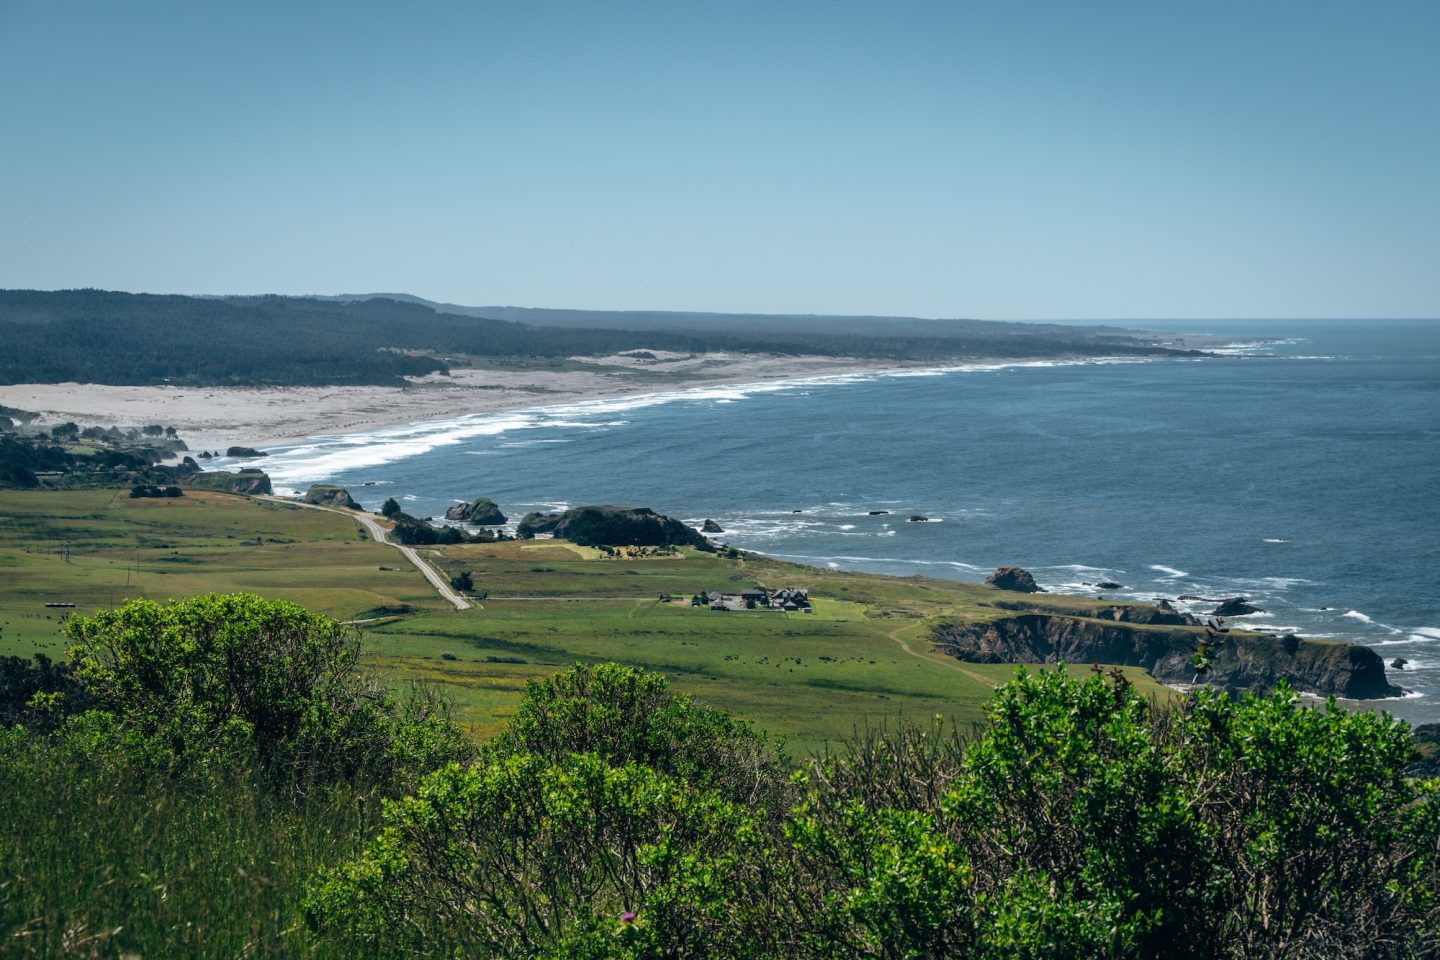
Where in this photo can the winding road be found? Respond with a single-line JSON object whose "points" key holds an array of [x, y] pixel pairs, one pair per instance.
{"points": [[377, 533]]}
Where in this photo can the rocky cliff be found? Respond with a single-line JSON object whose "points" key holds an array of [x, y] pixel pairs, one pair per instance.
{"points": [[327, 496], [626, 526], [612, 527], [244, 481], [1237, 659]]}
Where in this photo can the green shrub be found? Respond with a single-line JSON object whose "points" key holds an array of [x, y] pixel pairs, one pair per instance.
{"points": [[525, 856], [1069, 786], [631, 716], [236, 678]]}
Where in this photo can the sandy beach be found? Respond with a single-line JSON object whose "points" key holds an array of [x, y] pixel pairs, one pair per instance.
{"points": [[216, 417]]}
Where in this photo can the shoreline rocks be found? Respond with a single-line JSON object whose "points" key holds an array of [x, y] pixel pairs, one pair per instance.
{"points": [[325, 495], [482, 512], [1235, 607], [1016, 579]]}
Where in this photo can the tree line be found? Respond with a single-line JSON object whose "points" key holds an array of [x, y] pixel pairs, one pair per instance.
{"points": [[97, 336]]}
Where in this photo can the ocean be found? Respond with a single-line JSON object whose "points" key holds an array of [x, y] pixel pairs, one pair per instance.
{"points": [[1307, 481]]}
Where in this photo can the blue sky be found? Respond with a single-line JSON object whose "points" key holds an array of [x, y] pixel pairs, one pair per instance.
{"points": [[1001, 160]]}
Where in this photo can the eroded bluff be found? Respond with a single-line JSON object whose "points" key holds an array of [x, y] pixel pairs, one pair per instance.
{"points": [[1237, 659]]}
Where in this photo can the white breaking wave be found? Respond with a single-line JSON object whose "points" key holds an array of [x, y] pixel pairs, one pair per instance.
{"points": [[1170, 572], [324, 457], [1430, 633], [1363, 618], [959, 565]]}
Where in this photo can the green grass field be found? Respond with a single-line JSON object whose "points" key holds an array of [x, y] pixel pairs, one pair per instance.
{"points": [[862, 657], [120, 548]]}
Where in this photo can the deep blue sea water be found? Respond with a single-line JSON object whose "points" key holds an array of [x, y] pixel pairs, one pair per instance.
{"points": [[1308, 482]]}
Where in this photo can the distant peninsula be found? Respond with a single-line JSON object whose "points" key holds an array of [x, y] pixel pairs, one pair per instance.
{"points": [[247, 370]]}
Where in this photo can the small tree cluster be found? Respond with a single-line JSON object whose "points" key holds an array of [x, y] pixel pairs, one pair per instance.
{"points": [[236, 679]]}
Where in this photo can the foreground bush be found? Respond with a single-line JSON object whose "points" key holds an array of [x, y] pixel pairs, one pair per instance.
{"points": [[236, 678], [632, 716], [1081, 822]]}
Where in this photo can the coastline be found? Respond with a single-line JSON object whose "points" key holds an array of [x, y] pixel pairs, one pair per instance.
{"points": [[211, 417]]}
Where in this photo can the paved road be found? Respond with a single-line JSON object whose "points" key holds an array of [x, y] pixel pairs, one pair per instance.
{"points": [[377, 533]]}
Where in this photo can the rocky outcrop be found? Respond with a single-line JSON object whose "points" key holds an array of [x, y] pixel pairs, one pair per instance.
{"points": [[1162, 614], [879, 513], [1398, 663], [245, 452], [533, 524], [1237, 659], [482, 512], [1235, 607], [1013, 578], [250, 482], [324, 495], [710, 526], [1110, 585], [611, 526]]}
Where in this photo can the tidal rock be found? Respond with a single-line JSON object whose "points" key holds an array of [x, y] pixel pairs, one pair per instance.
{"points": [[1013, 578], [917, 518], [245, 452], [879, 513], [1398, 663], [710, 526], [1110, 585], [482, 511], [1235, 607]]}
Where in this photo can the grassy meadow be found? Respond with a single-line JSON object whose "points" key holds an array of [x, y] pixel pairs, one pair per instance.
{"points": [[862, 657], [96, 548]]}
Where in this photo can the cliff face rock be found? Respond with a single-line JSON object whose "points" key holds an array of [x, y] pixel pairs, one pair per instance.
{"points": [[250, 482], [1013, 578], [625, 526], [1236, 659], [1160, 615], [325, 495], [482, 511]]}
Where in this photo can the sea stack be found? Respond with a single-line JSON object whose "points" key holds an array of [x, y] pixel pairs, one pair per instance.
{"points": [[1017, 579]]}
